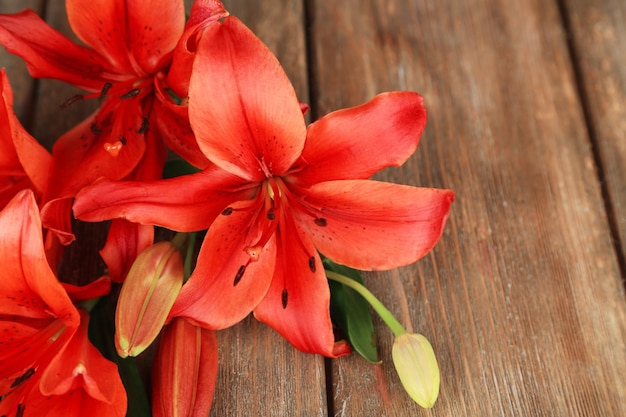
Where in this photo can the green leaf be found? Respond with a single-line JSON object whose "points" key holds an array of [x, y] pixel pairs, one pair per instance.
{"points": [[101, 332], [177, 167], [351, 313]]}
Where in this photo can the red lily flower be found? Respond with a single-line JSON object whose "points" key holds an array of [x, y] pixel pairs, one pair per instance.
{"points": [[130, 49], [284, 192], [36, 314], [24, 163], [125, 241], [45, 356], [79, 381]]}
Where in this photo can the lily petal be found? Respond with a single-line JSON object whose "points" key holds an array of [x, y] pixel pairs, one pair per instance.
{"points": [[28, 343], [73, 376], [80, 360], [225, 286], [81, 371], [185, 204], [371, 225], [125, 32], [125, 241], [357, 142], [84, 154], [153, 37], [298, 301], [56, 217], [203, 14], [242, 107], [49, 54], [75, 404], [80, 156], [97, 288], [29, 287], [102, 24], [150, 167], [173, 123], [38, 311], [18, 149]]}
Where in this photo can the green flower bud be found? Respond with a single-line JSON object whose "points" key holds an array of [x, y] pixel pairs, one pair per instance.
{"points": [[417, 367], [147, 295]]}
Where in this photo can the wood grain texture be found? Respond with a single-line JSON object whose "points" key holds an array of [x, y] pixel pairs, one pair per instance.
{"points": [[598, 32], [522, 298]]}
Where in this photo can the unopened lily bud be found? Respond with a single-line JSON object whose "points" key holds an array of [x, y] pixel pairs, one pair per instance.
{"points": [[147, 295], [184, 371], [417, 367]]}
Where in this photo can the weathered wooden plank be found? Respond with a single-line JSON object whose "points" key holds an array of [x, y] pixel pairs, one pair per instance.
{"points": [[598, 34], [260, 373], [522, 298]]}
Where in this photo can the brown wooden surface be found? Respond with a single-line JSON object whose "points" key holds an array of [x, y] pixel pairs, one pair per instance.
{"points": [[523, 299], [599, 43]]}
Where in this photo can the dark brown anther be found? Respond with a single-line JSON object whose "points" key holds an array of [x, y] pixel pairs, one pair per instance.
{"points": [[227, 211], [284, 297], [105, 90], [20, 410], [123, 140], [144, 126], [312, 263], [132, 93], [30, 372], [239, 274], [72, 100], [95, 129], [320, 221], [270, 214]]}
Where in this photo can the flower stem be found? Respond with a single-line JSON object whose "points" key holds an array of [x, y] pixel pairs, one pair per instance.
{"points": [[382, 311], [180, 241], [189, 255], [185, 243]]}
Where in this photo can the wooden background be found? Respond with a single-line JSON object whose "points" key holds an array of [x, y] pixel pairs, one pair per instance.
{"points": [[523, 298]]}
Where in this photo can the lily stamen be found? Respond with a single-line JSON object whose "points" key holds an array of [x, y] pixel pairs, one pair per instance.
{"points": [[143, 127], [105, 90], [273, 212], [132, 93], [72, 100], [20, 379]]}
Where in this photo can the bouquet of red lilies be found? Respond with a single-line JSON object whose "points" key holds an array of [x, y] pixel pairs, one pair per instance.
{"points": [[200, 135]]}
